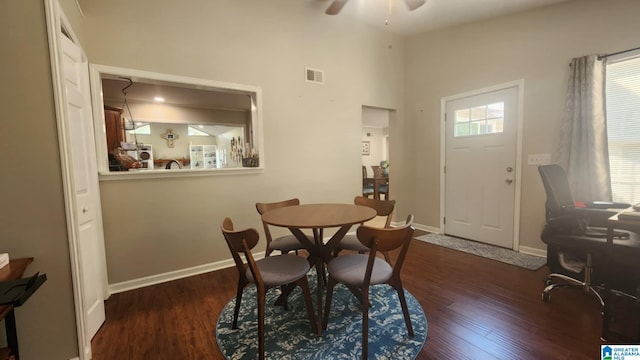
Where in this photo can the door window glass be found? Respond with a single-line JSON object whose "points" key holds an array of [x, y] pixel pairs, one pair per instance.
{"points": [[479, 120]]}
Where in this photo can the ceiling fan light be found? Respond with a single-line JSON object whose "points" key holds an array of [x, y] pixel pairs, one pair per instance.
{"points": [[414, 4], [335, 7]]}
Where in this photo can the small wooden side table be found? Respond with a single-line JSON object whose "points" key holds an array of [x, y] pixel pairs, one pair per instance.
{"points": [[20, 290]]}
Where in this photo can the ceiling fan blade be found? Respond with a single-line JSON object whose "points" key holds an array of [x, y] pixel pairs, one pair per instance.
{"points": [[414, 4], [335, 7]]}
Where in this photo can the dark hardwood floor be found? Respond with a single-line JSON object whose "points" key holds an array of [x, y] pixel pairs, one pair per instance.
{"points": [[476, 309]]}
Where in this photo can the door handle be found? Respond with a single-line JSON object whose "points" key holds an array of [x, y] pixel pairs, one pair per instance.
{"points": [[509, 181]]}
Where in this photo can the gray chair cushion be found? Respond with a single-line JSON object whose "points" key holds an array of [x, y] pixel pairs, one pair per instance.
{"points": [[280, 269], [351, 242], [287, 243], [350, 269]]}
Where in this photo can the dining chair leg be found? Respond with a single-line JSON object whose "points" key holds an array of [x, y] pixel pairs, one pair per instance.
{"points": [[284, 303], [397, 285], [236, 310], [306, 293], [285, 291], [365, 322], [261, 291]]}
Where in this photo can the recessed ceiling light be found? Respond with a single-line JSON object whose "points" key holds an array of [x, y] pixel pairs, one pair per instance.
{"points": [[158, 98]]}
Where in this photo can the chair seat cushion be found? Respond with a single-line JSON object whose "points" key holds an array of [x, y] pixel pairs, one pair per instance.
{"points": [[287, 243], [350, 269], [351, 242], [280, 269]]}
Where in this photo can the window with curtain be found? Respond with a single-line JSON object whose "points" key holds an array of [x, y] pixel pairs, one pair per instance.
{"points": [[623, 126]]}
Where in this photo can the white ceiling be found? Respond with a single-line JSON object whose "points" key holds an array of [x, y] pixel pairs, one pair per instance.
{"points": [[433, 15]]}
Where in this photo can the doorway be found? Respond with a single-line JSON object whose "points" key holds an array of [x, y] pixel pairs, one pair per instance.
{"points": [[375, 137], [481, 172]]}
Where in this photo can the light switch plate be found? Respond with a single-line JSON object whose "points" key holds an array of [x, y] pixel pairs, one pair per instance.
{"points": [[539, 159]]}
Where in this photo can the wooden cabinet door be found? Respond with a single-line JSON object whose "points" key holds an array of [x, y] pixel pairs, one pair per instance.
{"points": [[113, 127]]}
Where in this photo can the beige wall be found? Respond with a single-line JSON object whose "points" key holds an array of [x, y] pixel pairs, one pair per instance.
{"points": [[33, 215], [144, 220], [535, 46], [161, 225]]}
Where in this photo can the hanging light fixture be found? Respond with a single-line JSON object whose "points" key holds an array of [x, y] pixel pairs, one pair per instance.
{"points": [[128, 124]]}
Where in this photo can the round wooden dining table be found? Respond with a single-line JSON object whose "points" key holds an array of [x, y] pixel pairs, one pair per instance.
{"points": [[318, 217]]}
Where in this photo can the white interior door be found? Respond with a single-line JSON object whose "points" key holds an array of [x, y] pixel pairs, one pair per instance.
{"points": [[86, 197], [480, 161]]}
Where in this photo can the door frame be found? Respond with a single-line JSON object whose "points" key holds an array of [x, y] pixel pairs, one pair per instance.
{"points": [[519, 85], [56, 22]]}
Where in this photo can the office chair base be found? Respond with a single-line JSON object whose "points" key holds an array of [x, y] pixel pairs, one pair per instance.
{"points": [[569, 282]]}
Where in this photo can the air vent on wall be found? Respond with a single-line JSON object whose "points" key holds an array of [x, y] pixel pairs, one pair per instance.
{"points": [[314, 76]]}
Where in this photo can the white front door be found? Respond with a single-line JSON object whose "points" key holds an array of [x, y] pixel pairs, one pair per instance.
{"points": [[480, 166], [86, 196]]}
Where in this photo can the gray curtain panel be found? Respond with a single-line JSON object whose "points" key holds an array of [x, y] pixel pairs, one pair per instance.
{"points": [[583, 150]]}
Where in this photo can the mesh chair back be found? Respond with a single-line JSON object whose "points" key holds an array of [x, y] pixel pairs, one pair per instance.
{"points": [[557, 188]]}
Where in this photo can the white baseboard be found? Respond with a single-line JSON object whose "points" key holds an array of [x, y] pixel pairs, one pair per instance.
{"points": [[173, 275], [533, 251], [426, 228], [522, 249]]}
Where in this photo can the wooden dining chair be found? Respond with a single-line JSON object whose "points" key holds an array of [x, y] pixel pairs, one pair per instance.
{"points": [[367, 183], [362, 271], [285, 243], [383, 189], [268, 272], [384, 210]]}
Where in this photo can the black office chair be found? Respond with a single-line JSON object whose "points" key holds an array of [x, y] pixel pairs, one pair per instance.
{"points": [[575, 236]]}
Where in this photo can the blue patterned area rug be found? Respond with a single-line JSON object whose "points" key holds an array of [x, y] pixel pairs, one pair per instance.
{"points": [[497, 253], [288, 332]]}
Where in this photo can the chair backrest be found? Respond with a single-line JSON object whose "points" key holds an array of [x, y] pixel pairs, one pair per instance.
{"points": [[387, 239], [265, 207], [364, 172], [383, 208], [241, 242], [377, 170], [173, 164], [556, 186]]}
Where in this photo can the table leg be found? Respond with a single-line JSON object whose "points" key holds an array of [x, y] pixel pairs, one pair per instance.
{"points": [[606, 309], [376, 190], [12, 335], [315, 258], [319, 254]]}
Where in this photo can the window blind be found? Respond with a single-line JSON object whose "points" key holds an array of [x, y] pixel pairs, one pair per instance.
{"points": [[623, 127]]}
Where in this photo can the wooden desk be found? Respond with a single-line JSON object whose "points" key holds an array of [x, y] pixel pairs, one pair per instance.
{"points": [[15, 270], [318, 217], [377, 181], [616, 223]]}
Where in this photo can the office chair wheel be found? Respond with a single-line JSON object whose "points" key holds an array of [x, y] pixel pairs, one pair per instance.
{"points": [[546, 297]]}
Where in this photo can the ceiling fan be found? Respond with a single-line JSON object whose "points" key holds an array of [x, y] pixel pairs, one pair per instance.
{"points": [[337, 5]]}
